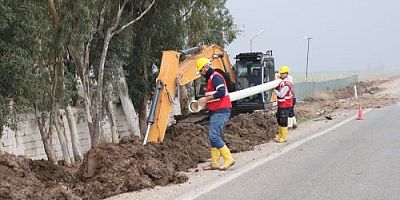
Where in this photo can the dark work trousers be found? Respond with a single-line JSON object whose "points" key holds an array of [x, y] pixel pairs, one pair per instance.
{"points": [[291, 111], [282, 116]]}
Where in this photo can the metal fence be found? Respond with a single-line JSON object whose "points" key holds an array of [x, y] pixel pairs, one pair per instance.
{"points": [[305, 90]]}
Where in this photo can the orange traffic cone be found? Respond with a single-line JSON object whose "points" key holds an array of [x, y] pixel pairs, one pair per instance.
{"points": [[360, 114]]}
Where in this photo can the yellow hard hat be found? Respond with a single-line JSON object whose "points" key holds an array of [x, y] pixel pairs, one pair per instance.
{"points": [[284, 69], [201, 62]]}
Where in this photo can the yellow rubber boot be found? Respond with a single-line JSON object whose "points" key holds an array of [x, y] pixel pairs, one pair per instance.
{"points": [[215, 156], [277, 136], [228, 159], [282, 134]]}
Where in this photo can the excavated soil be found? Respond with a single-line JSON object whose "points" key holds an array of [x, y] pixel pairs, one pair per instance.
{"points": [[20, 180], [130, 166], [245, 131], [111, 169]]}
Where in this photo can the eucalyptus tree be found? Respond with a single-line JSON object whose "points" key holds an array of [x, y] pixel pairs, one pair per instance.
{"points": [[16, 62], [209, 20], [44, 29], [26, 82], [173, 25], [161, 29], [115, 19]]}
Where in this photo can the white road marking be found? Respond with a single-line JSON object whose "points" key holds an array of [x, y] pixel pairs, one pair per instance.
{"points": [[238, 172]]}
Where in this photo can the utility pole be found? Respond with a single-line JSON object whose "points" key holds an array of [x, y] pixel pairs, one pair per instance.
{"points": [[251, 39], [308, 51]]}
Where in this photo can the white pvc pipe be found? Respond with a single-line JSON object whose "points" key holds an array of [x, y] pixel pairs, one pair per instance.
{"points": [[193, 106], [240, 94]]}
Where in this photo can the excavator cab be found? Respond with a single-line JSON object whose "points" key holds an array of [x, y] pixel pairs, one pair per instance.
{"points": [[250, 69], [253, 69]]}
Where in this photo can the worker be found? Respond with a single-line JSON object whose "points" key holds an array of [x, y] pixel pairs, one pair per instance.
{"points": [[218, 103], [292, 122], [285, 101]]}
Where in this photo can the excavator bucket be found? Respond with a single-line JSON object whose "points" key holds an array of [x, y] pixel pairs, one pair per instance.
{"points": [[167, 79]]}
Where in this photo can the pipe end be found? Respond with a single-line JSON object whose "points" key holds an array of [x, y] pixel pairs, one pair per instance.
{"points": [[194, 107]]}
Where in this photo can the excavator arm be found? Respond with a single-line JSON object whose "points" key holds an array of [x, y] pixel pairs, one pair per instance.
{"points": [[178, 69]]}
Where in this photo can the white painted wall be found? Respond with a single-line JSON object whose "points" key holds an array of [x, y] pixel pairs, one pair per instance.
{"points": [[27, 140]]}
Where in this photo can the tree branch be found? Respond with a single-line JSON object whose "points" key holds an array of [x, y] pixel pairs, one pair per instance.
{"points": [[53, 12], [100, 23], [190, 8], [136, 19]]}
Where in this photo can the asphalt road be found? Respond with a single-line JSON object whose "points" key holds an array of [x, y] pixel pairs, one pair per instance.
{"points": [[359, 160]]}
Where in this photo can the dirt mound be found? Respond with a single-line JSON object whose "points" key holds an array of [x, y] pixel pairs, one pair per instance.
{"points": [[112, 169], [245, 131], [362, 88], [19, 181], [117, 168]]}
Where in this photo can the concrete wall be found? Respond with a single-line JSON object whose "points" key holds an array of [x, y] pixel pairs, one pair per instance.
{"points": [[27, 140]]}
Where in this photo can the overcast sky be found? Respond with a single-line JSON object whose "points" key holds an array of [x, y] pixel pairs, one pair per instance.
{"points": [[348, 35]]}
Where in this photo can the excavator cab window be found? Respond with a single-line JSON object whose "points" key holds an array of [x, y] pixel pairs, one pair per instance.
{"points": [[248, 75], [253, 69], [242, 78], [200, 87], [255, 78]]}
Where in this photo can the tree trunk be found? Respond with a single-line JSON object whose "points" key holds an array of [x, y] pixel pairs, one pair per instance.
{"points": [[74, 135], [111, 114], [98, 104], [80, 55], [89, 116], [143, 116], [61, 136], [1, 129], [113, 122], [104, 139], [184, 100], [144, 64], [48, 148], [127, 105]]}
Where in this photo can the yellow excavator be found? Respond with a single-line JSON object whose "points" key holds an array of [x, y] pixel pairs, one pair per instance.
{"points": [[179, 68]]}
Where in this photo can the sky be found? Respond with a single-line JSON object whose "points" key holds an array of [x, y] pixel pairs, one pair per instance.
{"points": [[347, 35]]}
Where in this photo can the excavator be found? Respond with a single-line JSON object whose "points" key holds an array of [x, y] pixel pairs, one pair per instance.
{"points": [[178, 68]]}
